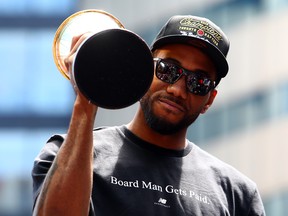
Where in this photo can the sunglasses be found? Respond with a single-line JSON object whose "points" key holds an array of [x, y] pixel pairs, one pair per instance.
{"points": [[197, 82]]}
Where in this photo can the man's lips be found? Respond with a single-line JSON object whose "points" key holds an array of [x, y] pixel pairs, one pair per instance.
{"points": [[173, 104]]}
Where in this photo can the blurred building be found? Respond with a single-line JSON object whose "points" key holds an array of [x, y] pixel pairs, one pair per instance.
{"points": [[245, 127]]}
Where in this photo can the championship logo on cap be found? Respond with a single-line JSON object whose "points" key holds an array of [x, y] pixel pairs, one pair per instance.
{"points": [[200, 28]]}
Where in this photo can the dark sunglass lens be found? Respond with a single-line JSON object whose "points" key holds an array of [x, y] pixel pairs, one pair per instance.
{"points": [[167, 72], [198, 84]]}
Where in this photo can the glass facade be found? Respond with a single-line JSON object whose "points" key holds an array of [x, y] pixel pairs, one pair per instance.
{"points": [[247, 113], [35, 97], [29, 79], [36, 7]]}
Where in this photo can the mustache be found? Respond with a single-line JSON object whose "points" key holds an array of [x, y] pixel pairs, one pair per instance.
{"points": [[174, 100]]}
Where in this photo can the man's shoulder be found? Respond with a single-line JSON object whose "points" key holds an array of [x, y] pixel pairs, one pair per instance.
{"points": [[108, 130], [222, 169], [235, 184], [108, 138]]}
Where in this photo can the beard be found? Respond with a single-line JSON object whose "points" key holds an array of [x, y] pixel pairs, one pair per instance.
{"points": [[160, 124]]}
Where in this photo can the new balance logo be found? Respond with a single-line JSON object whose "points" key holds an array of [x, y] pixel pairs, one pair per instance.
{"points": [[162, 201]]}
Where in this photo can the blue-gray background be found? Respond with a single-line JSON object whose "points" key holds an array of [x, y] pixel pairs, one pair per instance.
{"points": [[36, 100]]}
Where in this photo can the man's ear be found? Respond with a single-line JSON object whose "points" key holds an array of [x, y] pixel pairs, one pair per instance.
{"points": [[213, 94]]}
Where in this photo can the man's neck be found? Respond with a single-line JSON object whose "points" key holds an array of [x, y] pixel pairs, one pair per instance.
{"points": [[175, 141]]}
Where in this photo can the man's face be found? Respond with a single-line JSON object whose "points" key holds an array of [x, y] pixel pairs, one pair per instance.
{"points": [[169, 108]]}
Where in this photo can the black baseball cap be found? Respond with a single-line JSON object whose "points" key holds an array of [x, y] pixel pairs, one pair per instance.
{"points": [[199, 32]]}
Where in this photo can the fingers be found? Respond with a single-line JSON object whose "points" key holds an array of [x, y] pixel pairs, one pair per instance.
{"points": [[77, 41], [75, 44], [74, 41], [68, 61]]}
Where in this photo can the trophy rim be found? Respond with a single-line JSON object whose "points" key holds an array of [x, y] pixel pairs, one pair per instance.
{"points": [[55, 48]]}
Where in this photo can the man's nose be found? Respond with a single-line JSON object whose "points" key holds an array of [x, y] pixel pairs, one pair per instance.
{"points": [[178, 89]]}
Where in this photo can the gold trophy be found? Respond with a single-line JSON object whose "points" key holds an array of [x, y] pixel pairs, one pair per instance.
{"points": [[113, 67]]}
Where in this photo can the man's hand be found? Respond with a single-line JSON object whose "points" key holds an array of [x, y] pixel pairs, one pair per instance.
{"points": [[75, 44]]}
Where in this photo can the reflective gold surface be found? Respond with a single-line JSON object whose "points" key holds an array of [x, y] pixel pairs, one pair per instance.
{"points": [[78, 23]]}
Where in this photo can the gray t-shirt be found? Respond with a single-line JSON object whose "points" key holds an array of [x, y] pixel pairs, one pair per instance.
{"points": [[133, 177]]}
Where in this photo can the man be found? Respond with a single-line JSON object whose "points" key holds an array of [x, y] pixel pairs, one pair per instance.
{"points": [[148, 167]]}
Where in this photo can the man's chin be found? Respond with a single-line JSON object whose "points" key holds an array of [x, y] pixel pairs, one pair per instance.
{"points": [[162, 125], [160, 121]]}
